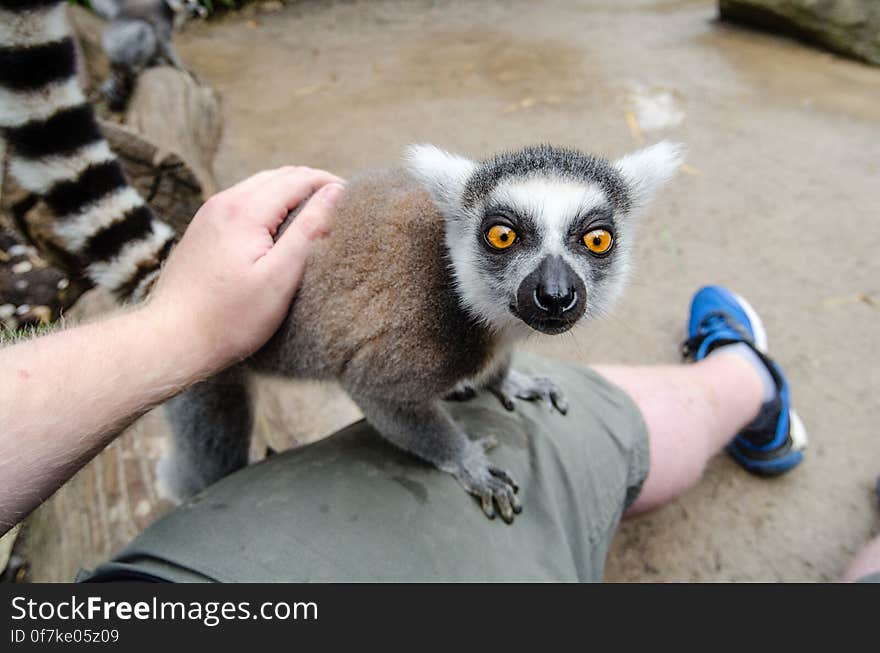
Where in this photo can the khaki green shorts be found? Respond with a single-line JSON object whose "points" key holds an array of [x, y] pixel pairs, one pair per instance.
{"points": [[354, 508]]}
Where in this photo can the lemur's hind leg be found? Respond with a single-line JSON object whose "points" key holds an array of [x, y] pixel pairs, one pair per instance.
{"points": [[427, 431], [210, 434], [169, 54]]}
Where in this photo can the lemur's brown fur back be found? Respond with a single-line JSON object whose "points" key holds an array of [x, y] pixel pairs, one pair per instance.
{"points": [[377, 308]]}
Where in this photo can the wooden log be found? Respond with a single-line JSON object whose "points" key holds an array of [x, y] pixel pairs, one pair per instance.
{"points": [[170, 108], [168, 183], [178, 114]]}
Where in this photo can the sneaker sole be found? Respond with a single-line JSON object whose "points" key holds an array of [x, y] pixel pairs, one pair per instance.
{"points": [[768, 468], [797, 430], [755, 322]]}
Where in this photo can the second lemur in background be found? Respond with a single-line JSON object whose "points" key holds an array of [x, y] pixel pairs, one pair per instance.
{"points": [[138, 36]]}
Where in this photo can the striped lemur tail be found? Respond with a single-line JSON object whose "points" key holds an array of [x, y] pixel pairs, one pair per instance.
{"points": [[56, 151]]}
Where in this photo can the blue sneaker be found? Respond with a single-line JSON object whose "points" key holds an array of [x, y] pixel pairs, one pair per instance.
{"points": [[772, 444]]}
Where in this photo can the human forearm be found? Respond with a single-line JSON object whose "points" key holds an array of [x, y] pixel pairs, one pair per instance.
{"points": [[63, 397], [224, 290]]}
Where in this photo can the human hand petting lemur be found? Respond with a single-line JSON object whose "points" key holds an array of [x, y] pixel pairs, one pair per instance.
{"points": [[225, 289], [228, 284]]}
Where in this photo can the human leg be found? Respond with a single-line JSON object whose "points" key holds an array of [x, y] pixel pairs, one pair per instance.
{"points": [[692, 413], [866, 564], [734, 396]]}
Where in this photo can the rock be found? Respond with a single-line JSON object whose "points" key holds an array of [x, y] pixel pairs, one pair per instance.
{"points": [[22, 266], [849, 27], [34, 314], [26, 280]]}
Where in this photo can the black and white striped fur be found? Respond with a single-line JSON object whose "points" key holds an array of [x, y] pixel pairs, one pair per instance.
{"points": [[56, 151]]}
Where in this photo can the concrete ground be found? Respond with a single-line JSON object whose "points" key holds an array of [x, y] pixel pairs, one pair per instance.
{"points": [[779, 201]]}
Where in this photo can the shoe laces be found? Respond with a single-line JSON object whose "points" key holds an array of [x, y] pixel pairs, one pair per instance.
{"points": [[713, 322]]}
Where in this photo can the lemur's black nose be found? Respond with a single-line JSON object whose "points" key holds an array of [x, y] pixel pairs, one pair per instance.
{"points": [[555, 299], [552, 298]]}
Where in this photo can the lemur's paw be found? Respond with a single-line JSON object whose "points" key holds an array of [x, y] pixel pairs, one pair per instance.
{"points": [[517, 385], [115, 96], [462, 392], [492, 485]]}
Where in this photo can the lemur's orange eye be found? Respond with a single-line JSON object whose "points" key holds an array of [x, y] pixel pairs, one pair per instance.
{"points": [[599, 241], [500, 236]]}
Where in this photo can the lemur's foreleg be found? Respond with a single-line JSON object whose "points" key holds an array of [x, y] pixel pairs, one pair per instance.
{"points": [[427, 431], [169, 54]]}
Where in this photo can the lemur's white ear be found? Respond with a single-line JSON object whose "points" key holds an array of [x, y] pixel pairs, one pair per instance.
{"points": [[646, 170], [442, 174]]}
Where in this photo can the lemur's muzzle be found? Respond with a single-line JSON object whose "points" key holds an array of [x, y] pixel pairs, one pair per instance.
{"points": [[552, 298]]}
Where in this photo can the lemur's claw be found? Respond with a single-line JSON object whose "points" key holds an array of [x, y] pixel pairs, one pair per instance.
{"points": [[516, 385], [506, 508], [464, 392], [530, 388], [493, 486], [505, 399], [506, 500], [504, 476], [559, 401], [488, 508]]}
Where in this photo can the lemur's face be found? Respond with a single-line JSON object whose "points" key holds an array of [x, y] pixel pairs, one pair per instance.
{"points": [[542, 236], [547, 250]]}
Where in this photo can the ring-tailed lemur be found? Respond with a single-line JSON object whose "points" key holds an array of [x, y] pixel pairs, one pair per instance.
{"points": [[138, 36], [57, 152], [430, 274]]}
